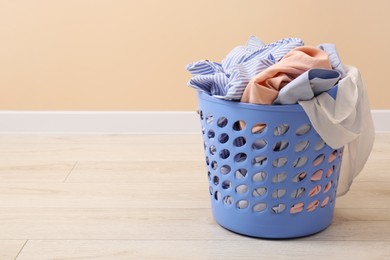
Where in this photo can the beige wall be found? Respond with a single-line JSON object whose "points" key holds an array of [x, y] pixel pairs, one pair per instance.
{"points": [[130, 55]]}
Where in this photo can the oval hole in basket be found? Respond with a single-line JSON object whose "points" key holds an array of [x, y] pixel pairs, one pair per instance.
{"points": [[217, 195], [224, 154], [319, 159], [240, 157], [225, 169], [332, 156], [200, 112], [241, 173], [315, 190], [228, 200], [226, 184], [209, 118], [241, 189], [279, 177], [212, 149], [222, 122], [214, 165], [312, 206], [278, 193], [303, 129], [298, 193], [281, 129], [259, 176], [279, 162], [325, 202], [223, 138], [297, 208], [242, 204], [259, 161], [317, 175], [259, 191], [278, 208], [216, 180], [211, 134], [239, 125], [301, 161], [259, 144], [280, 146], [328, 186], [319, 145], [259, 128], [329, 172], [299, 177], [302, 146], [239, 141], [259, 207]]}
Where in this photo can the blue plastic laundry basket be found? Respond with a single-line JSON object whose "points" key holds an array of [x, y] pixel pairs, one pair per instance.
{"points": [[270, 173]]}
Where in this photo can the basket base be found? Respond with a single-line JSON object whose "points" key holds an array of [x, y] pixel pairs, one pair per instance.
{"points": [[276, 226], [274, 238]]}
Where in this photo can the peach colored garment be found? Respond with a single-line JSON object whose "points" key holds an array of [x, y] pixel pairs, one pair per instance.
{"points": [[317, 175], [315, 190], [313, 205], [324, 202], [296, 208], [264, 87]]}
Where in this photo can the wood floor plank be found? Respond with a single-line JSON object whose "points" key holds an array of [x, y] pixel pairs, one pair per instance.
{"points": [[376, 170], [207, 249], [153, 195], [102, 152], [146, 197], [144, 172], [95, 195], [165, 224], [366, 195], [34, 172], [129, 171], [9, 249]]}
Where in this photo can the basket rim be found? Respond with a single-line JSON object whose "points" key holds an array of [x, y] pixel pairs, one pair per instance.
{"points": [[290, 108]]}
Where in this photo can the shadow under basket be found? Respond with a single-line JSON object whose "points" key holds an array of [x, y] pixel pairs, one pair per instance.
{"points": [[270, 174]]}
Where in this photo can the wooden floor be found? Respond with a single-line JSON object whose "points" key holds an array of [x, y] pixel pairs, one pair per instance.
{"points": [[146, 197]]}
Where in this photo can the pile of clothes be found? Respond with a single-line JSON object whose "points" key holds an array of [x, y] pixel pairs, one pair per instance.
{"points": [[283, 72], [288, 72]]}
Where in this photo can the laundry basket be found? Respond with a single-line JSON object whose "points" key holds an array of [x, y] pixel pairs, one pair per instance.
{"points": [[270, 174]]}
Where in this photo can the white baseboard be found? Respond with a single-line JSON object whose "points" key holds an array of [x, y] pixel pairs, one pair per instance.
{"points": [[120, 121], [381, 120]]}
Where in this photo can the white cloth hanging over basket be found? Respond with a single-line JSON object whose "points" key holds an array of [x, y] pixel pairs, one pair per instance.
{"points": [[346, 122]]}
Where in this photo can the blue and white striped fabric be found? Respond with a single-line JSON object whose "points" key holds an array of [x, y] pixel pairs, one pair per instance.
{"points": [[227, 80]]}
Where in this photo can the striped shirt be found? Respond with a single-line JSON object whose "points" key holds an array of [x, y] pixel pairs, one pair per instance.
{"points": [[228, 79]]}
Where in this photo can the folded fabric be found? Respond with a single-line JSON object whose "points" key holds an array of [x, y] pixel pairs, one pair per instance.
{"points": [[334, 58], [344, 122], [229, 79], [307, 85], [264, 87]]}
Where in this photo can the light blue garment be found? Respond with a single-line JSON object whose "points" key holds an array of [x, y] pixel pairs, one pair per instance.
{"points": [[334, 58], [307, 85], [227, 80]]}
